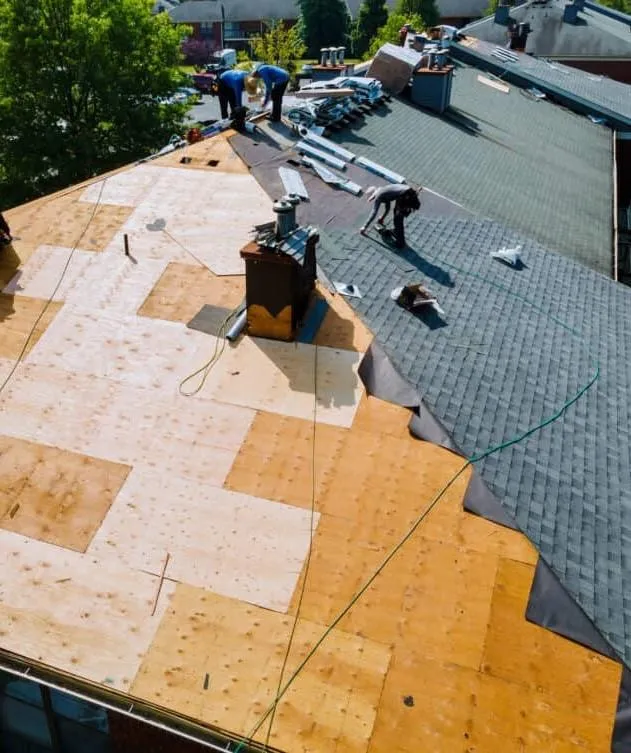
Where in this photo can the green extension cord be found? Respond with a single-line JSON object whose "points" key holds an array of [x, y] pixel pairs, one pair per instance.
{"points": [[470, 461]]}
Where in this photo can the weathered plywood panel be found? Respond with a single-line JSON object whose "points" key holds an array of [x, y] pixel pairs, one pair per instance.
{"points": [[18, 318], [241, 648], [50, 272], [69, 611], [114, 421], [237, 545], [518, 651], [217, 148], [281, 378], [183, 290], [12, 258], [125, 189], [55, 496], [342, 328]]}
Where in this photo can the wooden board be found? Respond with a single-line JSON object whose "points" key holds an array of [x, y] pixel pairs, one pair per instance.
{"points": [[55, 496], [237, 545], [65, 609], [124, 424], [379, 417], [217, 149], [126, 189], [18, 316], [241, 648], [183, 290], [341, 327], [281, 378]]}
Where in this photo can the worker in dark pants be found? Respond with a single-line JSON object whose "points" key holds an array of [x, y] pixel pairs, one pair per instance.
{"points": [[275, 80], [230, 90], [5, 232], [405, 200]]}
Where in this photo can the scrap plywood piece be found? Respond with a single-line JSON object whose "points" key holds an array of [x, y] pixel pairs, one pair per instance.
{"points": [[516, 648], [23, 321], [342, 328], [122, 423], [50, 272], [68, 611], [214, 154], [183, 290], [240, 648], [125, 189], [143, 352], [281, 378], [55, 496], [237, 545]]}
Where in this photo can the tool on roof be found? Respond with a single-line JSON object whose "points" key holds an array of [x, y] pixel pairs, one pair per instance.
{"points": [[510, 256], [415, 297]]}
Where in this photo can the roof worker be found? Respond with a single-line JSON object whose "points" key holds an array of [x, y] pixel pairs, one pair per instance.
{"points": [[406, 201], [230, 87], [275, 80], [5, 232], [403, 34]]}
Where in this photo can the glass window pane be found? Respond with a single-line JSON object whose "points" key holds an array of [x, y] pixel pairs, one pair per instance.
{"points": [[78, 739], [21, 690], [24, 721], [80, 711]]}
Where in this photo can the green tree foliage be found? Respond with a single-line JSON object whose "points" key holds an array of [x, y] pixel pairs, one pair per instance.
{"points": [[323, 23], [426, 9], [372, 15], [622, 5], [389, 32], [280, 45], [80, 89]]}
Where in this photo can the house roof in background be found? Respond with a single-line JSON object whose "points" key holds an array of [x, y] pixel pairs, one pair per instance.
{"points": [[596, 35], [584, 91], [530, 164], [208, 11]]}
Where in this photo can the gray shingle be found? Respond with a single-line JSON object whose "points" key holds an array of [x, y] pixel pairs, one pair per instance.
{"points": [[531, 165], [568, 486]]}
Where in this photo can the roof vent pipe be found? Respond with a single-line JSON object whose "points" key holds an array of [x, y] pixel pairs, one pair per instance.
{"points": [[285, 211], [324, 56], [341, 52], [333, 55]]}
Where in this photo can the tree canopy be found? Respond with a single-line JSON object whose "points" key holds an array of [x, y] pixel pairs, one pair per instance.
{"points": [[372, 15], [389, 32], [279, 45], [80, 89], [426, 9], [323, 23]]}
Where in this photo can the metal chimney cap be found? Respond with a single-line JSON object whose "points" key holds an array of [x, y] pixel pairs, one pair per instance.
{"points": [[281, 206]]}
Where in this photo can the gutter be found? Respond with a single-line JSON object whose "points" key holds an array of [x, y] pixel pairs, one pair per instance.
{"points": [[118, 703], [615, 210]]}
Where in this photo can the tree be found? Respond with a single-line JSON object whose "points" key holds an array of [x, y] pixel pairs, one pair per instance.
{"points": [[622, 5], [372, 15], [280, 45], [80, 89], [426, 9], [389, 32], [323, 23]]}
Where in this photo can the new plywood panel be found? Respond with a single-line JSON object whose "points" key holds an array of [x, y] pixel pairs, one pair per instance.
{"points": [[65, 609], [142, 352], [183, 290], [342, 328], [281, 377], [18, 318], [519, 651], [379, 417], [217, 148], [125, 189], [81, 413], [50, 272], [55, 496], [237, 545], [241, 649]]}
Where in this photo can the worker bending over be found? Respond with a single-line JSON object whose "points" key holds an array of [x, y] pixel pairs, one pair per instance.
{"points": [[275, 80], [406, 201], [230, 90], [5, 232]]}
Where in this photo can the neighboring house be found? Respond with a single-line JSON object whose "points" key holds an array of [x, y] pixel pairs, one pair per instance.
{"points": [[580, 34]]}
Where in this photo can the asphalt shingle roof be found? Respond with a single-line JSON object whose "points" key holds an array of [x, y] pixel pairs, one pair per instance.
{"points": [[532, 165], [497, 364], [593, 93], [596, 35]]}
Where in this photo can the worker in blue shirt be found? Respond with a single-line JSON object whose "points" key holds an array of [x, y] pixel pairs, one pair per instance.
{"points": [[275, 80], [230, 90]]}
